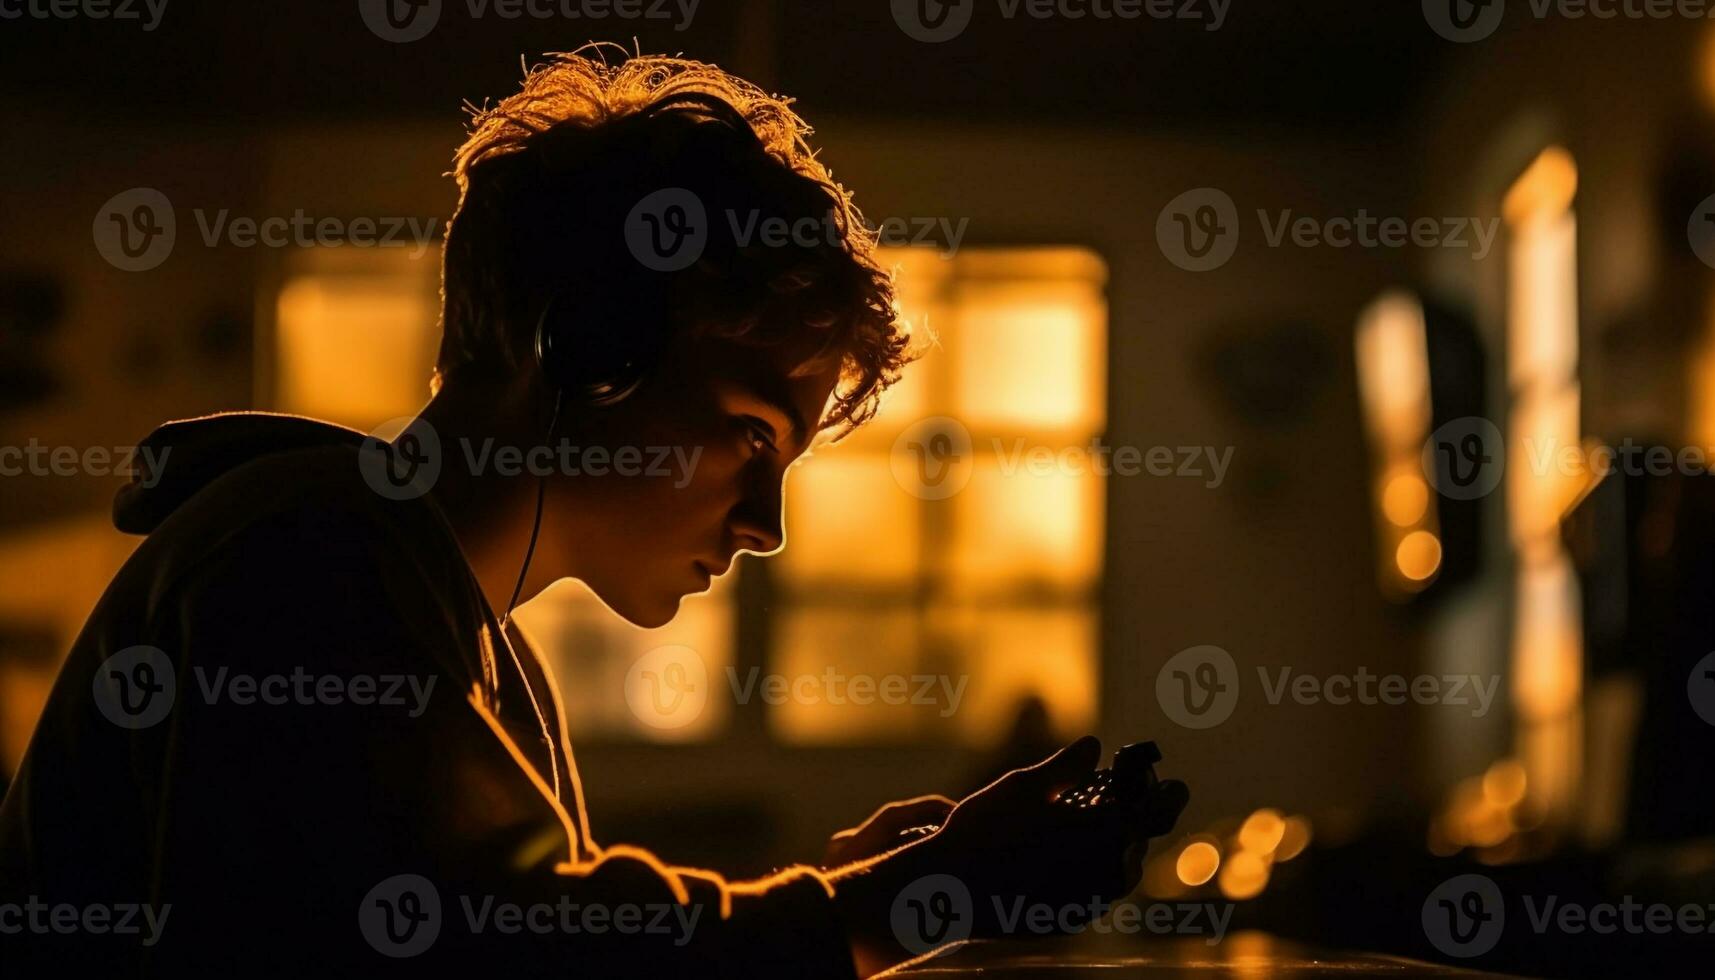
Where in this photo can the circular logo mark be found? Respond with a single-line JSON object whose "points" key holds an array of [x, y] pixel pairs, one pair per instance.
{"points": [[933, 21], [1464, 916], [1198, 687], [932, 458], [1464, 21], [1199, 230], [1700, 687], [667, 230], [136, 687], [1701, 231], [931, 912], [1464, 459], [404, 467], [401, 917], [135, 229], [668, 687], [400, 21]]}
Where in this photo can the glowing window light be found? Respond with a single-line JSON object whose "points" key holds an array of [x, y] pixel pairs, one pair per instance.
{"points": [[1010, 562], [1542, 373]]}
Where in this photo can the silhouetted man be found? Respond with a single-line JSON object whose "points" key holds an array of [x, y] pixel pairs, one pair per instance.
{"points": [[296, 735]]}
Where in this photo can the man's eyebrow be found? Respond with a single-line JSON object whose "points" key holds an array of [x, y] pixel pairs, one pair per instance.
{"points": [[777, 399]]}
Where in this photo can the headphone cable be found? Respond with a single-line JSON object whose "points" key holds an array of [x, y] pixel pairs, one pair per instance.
{"points": [[536, 524]]}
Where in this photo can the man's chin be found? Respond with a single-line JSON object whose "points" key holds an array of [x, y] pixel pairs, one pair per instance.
{"points": [[651, 613]]}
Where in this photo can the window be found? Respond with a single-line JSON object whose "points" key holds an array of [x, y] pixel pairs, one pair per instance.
{"points": [[1542, 381], [956, 537]]}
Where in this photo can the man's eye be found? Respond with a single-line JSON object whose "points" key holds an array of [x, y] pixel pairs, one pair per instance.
{"points": [[756, 433]]}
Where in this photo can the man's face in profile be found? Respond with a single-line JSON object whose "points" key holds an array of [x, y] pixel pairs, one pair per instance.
{"points": [[712, 432]]}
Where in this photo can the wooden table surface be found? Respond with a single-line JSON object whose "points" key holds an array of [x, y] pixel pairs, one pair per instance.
{"points": [[1242, 955]]}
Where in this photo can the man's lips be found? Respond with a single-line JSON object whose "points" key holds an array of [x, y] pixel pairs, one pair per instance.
{"points": [[713, 569]]}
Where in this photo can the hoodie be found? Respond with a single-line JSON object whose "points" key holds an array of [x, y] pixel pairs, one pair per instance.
{"points": [[292, 738]]}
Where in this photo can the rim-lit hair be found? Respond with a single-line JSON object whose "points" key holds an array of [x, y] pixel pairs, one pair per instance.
{"points": [[566, 155]]}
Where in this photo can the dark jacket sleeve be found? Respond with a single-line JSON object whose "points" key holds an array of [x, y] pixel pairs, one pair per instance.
{"points": [[338, 797]]}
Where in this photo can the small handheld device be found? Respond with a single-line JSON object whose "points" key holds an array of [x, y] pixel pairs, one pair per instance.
{"points": [[1124, 789], [1127, 784]]}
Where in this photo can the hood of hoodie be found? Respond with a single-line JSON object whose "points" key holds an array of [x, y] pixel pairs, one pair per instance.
{"points": [[180, 458]]}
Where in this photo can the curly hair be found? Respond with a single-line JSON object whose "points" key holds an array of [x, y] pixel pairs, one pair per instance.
{"points": [[547, 177]]}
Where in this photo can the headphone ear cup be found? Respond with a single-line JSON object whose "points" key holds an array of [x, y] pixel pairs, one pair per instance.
{"points": [[590, 354]]}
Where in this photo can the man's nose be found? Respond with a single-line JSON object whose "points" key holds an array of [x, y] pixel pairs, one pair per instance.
{"points": [[756, 521]]}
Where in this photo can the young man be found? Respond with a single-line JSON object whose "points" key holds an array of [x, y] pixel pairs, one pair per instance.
{"points": [[296, 735]]}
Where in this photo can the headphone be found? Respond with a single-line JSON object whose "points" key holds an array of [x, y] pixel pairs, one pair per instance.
{"points": [[599, 347]]}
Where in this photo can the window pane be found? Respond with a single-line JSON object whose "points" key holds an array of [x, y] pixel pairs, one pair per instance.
{"points": [[821, 650], [1014, 654], [1040, 524], [849, 521]]}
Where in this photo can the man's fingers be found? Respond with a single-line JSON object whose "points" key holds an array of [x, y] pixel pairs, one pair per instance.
{"points": [[915, 812], [1060, 771]]}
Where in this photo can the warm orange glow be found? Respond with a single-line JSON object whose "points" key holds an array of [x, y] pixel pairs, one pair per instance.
{"points": [[1244, 875], [1198, 862], [357, 350], [1294, 838], [1262, 831], [1418, 555], [1393, 373], [1546, 472], [1019, 367], [833, 536], [1504, 783], [1405, 499], [1546, 188]]}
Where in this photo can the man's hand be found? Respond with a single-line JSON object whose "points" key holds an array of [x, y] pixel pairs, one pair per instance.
{"points": [[1008, 843], [880, 833]]}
